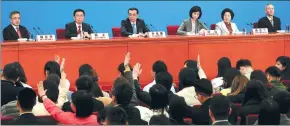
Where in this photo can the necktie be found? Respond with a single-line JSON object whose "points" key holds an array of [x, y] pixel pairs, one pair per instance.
{"points": [[272, 22], [134, 29], [79, 29], [18, 32]]}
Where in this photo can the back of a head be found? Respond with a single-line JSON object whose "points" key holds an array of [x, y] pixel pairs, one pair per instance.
{"points": [[159, 97], [283, 100], [22, 76], [159, 66], [53, 77], [220, 107], [85, 82], [165, 79], [121, 68], [191, 64], [259, 75], [269, 113], [243, 63], [52, 90], [177, 108], [159, 120], [273, 71], [239, 84], [52, 67], [255, 89], [187, 77], [83, 103], [122, 91], [229, 76], [26, 98], [116, 116], [204, 87], [223, 64], [87, 69], [11, 72]]}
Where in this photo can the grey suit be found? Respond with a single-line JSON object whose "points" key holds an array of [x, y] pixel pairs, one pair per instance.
{"points": [[186, 26]]}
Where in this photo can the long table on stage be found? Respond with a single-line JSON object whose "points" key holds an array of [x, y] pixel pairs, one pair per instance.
{"points": [[106, 55]]}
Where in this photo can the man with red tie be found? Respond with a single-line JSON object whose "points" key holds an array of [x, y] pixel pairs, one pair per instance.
{"points": [[15, 31], [77, 27]]}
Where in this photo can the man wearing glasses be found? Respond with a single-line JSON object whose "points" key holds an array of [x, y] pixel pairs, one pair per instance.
{"points": [[15, 31], [78, 28], [133, 25]]}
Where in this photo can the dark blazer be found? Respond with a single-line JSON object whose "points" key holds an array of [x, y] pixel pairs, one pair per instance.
{"points": [[8, 91], [237, 98], [9, 33], [126, 27], [265, 23], [30, 119], [72, 31], [251, 107], [222, 123], [98, 106], [134, 117]]}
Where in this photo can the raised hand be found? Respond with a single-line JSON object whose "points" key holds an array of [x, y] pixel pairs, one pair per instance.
{"points": [[63, 80], [41, 90], [62, 65], [198, 62], [127, 59], [137, 71]]}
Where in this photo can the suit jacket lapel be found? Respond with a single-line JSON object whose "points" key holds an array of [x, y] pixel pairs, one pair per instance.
{"points": [[269, 23], [189, 24], [129, 26], [137, 25], [74, 28], [224, 27], [13, 31]]}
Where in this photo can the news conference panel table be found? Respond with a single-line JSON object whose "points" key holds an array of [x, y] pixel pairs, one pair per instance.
{"points": [[106, 55]]}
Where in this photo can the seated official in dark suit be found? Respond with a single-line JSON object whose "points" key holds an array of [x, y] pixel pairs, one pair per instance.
{"points": [[26, 99], [193, 24], [15, 31], [219, 110], [78, 27], [270, 21], [133, 25]]}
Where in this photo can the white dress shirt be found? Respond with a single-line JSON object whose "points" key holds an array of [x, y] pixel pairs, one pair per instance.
{"points": [[135, 26], [78, 26], [148, 86]]}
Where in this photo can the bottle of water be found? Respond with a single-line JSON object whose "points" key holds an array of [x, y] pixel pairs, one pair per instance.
{"points": [[244, 31]]}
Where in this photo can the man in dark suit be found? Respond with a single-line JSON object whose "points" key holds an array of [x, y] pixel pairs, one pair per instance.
{"points": [[78, 27], [15, 31], [270, 21], [133, 25], [219, 110], [26, 99]]}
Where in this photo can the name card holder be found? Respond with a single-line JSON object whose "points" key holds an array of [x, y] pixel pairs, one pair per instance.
{"points": [[45, 38], [212, 32], [157, 34], [96, 36], [260, 31]]}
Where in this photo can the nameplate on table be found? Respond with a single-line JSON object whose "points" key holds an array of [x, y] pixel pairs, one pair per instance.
{"points": [[44, 38], [260, 31], [212, 32], [96, 36], [157, 34]]}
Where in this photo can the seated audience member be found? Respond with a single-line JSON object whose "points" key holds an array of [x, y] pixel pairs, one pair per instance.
{"points": [[116, 116], [10, 109], [273, 75], [26, 99], [159, 120], [133, 24], [192, 24], [22, 78], [283, 63], [269, 113], [227, 27], [219, 110], [196, 67], [177, 110], [228, 78], [223, 64], [82, 104], [9, 89], [245, 67], [159, 103], [75, 28], [238, 89], [270, 21], [84, 83], [188, 80]]}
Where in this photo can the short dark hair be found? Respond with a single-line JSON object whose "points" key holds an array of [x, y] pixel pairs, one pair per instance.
{"points": [[259, 75], [223, 64], [255, 89], [85, 82], [195, 9], [204, 87], [52, 67], [165, 79], [11, 72], [273, 71], [159, 120], [243, 63], [133, 8], [53, 77], [26, 99], [285, 61], [191, 64], [12, 13], [121, 68], [220, 107], [177, 108], [116, 116], [22, 76], [269, 113], [228, 10], [83, 102], [159, 97], [52, 90], [187, 77], [122, 91], [229, 77], [78, 10], [283, 100], [159, 66]]}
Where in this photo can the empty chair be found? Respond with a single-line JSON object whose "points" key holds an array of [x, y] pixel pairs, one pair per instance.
{"points": [[172, 29], [60, 33], [116, 32]]}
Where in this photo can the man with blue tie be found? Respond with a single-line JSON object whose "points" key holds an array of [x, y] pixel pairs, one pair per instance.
{"points": [[133, 25]]}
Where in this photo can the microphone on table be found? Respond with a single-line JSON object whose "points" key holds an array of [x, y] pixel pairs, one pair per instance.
{"points": [[153, 27], [250, 24], [35, 30], [40, 30], [94, 30], [148, 27]]}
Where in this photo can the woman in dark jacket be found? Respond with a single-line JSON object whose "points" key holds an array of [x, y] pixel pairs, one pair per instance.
{"points": [[238, 89], [283, 63]]}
